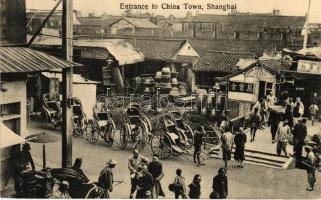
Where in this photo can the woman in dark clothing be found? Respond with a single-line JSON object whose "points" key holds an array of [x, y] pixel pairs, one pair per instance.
{"points": [[239, 140], [289, 115], [220, 187], [195, 187], [274, 121]]}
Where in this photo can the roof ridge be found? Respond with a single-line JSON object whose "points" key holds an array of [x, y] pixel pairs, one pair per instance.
{"points": [[230, 52]]}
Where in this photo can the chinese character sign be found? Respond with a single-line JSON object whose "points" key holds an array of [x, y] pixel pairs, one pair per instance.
{"points": [[241, 87], [307, 66]]}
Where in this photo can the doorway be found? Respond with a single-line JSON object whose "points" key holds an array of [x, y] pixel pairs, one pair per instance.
{"points": [[261, 89]]}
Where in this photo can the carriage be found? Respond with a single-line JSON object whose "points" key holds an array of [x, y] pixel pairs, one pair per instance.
{"points": [[136, 128], [79, 118], [79, 184], [101, 125], [171, 138], [50, 112]]}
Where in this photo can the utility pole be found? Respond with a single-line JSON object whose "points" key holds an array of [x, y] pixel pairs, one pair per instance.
{"points": [[306, 28], [67, 83]]}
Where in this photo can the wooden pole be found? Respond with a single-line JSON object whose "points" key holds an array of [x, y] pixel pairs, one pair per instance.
{"points": [[306, 27], [67, 83]]}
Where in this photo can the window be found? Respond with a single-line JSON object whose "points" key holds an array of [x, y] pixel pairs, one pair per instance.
{"points": [[268, 88]]}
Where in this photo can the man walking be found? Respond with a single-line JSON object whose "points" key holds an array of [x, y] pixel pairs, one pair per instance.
{"points": [[227, 144], [155, 168], [198, 141], [299, 134], [144, 183], [311, 165], [106, 179], [133, 163], [220, 186], [282, 135]]}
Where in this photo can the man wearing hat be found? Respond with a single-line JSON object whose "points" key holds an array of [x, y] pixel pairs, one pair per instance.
{"points": [[105, 179], [134, 162], [155, 168]]}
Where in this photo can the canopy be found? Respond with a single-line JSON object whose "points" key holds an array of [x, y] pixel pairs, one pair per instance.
{"points": [[8, 137], [123, 52]]}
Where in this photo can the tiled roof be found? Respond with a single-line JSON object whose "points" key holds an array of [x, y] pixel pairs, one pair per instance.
{"points": [[157, 49], [97, 21], [274, 65], [20, 59], [139, 22], [187, 59], [221, 61], [293, 22]]}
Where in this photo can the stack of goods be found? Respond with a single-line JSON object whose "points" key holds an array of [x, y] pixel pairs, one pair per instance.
{"points": [[158, 79], [148, 85], [182, 89], [174, 92], [165, 84]]}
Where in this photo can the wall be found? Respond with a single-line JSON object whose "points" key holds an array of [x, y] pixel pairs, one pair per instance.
{"points": [[88, 98], [13, 22]]}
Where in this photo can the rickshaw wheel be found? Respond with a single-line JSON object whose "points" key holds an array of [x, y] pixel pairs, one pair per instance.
{"points": [[124, 134], [109, 132], [96, 193], [92, 135], [161, 145]]}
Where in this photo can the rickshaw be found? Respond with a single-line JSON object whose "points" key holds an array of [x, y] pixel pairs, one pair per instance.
{"points": [[136, 128], [100, 125], [79, 118], [170, 139], [50, 112], [79, 185], [177, 118]]}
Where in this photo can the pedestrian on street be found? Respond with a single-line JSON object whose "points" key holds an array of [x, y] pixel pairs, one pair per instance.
{"points": [[282, 136], [289, 115], [144, 183], [106, 177], [254, 122], [296, 113], [195, 187], [62, 192], [22, 161], [271, 99], [301, 106], [311, 160], [198, 141], [299, 134], [227, 145], [134, 162], [155, 168], [239, 140], [274, 121], [220, 186], [314, 109], [180, 186]]}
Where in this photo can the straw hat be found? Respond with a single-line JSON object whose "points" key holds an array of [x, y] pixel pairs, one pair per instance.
{"points": [[112, 162]]}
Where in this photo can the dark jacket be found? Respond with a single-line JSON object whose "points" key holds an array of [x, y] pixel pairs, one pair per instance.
{"points": [[299, 132], [146, 184], [194, 191], [155, 168], [198, 139], [220, 186], [105, 179]]}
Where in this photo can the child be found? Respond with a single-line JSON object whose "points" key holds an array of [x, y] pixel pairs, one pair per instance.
{"points": [[314, 109], [179, 182]]}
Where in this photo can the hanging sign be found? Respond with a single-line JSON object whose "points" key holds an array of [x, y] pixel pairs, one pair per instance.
{"points": [[308, 66], [241, 87]]}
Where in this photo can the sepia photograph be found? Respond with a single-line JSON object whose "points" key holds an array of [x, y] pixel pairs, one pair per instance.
{"points": [[160, 99]]}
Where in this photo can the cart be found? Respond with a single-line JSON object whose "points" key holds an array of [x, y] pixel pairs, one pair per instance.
{"points": [[79, 185], [100, 125], [135, 128], [50, 112], [170, 140]]}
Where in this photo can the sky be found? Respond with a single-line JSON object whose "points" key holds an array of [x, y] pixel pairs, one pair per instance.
{"points": [[286, 7]]}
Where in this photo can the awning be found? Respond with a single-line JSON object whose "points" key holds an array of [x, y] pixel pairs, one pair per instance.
{"points": [[21, 59], [302, 75], [76, 78], [8, 137], [123, 52]]}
